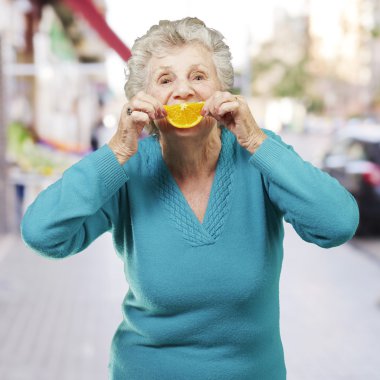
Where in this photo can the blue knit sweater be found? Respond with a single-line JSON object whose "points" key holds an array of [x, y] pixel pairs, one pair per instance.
{"points": [[203, 298]]}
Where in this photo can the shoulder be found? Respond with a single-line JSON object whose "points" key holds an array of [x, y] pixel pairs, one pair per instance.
{"points": [[231, 145], [229, 137]]}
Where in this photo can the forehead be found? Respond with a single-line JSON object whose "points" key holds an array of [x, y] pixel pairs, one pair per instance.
{"points": [[182, 58]]}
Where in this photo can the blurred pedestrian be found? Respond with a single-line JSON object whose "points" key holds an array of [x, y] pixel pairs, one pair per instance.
{"points": [[95, 134], [196, 216]]}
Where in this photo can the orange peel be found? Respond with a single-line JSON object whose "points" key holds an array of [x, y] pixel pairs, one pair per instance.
{"points": [[184, 115]]}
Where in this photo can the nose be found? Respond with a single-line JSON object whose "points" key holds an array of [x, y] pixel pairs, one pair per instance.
{"points": [[183, 90]]}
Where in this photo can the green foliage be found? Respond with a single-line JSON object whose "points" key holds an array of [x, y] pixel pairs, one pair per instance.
{"points": [[262, 65], [31, 156], [294, 81], [375, 31], [18, 135], [315, 105], [61, 45]]}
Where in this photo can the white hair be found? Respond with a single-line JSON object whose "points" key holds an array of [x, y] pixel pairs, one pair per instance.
{"points": [[168, 35]]}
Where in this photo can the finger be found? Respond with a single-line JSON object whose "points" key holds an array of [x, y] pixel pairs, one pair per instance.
{"points": [[158, 106], [228, 107], [143, 106], [139, 117], [125, 110], [213, 104], [213, 98], [209, 103], [218, 109]]}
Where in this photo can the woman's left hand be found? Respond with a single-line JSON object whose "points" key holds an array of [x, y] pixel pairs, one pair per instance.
{"points": [[233, 112]]}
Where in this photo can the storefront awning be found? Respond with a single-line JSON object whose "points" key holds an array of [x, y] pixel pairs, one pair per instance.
{"points": [[92, 15]]}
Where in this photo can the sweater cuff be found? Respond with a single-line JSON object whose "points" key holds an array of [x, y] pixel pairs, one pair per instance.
{"points": [[112, 173], [268, 155]]}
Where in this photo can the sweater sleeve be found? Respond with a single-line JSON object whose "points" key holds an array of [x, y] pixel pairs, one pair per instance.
{"points": [[71, 213], [318, 207]]}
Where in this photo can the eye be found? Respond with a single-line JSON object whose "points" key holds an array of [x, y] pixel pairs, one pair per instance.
{"points": [[165, 79], [199, 77]]}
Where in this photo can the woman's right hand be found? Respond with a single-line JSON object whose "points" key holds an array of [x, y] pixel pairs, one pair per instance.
{"points": [[143, 109]]}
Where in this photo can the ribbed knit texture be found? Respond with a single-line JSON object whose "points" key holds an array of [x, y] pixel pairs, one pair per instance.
{"points": [[107, 167], [203, 298], [177, 206]]}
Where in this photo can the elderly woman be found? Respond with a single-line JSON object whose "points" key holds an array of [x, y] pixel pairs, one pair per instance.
{"points": [[196, 216]]}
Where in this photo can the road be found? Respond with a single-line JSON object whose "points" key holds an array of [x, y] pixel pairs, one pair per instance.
{"points": [[330, 312], [330, 300], [311, 148], [57, 318]]}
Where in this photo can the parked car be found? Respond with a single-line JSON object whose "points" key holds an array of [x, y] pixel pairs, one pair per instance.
{"points": [[354, 160]]}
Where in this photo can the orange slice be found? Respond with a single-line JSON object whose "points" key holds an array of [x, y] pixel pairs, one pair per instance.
{"points": [[184, 115]]}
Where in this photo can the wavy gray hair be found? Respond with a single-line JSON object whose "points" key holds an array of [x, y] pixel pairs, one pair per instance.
{"points": [[167, 35]]}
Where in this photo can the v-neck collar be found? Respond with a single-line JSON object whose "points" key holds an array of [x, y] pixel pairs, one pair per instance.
{"points": [[176, 205]]}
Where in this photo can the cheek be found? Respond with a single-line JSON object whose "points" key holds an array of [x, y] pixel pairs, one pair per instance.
{"points": [[161, 96], [208, 89], [154, 91]]}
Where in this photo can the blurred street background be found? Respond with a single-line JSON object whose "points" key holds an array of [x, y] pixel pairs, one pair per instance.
{"points": [[310, 70]]}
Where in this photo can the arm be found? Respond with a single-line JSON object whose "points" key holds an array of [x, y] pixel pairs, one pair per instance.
{"points": [[319, 208], [71, 213], [85, 202]]}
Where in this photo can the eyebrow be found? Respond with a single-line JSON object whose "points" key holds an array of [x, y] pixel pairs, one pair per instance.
{"points": [[198, 66], [162, 68], [192, 67]]}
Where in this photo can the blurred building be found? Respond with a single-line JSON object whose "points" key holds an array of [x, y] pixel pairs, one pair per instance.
{"points": [[345, 54], [285, 50], [279, 73], [53, 87], [324, 60]]}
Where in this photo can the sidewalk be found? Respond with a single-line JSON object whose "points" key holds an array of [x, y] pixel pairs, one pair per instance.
{"points": [[57, 318], [6, 244], [330, 311]]}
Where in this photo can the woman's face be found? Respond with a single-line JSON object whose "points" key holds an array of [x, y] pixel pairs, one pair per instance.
{"points": [[185, 74]]}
